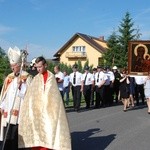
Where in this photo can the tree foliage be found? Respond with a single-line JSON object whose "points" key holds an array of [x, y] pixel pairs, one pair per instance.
{"points": [[68, 68], [112, 56], [117, 53], [4, 67], [127, 33]]}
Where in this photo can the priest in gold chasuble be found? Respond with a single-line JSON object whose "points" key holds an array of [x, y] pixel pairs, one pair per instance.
{"points": [[43, 120]]}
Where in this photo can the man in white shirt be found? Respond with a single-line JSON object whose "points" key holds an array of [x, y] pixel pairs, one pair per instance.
{"points": [[75, 80], [87, 83], [59, 78], [100, 79]]}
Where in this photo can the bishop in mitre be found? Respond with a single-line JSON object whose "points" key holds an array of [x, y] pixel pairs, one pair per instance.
{"points": [[11, 98], [43, 120]]}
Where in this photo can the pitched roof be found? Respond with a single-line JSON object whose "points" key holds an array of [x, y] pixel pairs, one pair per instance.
{"points": [[89, 39]]}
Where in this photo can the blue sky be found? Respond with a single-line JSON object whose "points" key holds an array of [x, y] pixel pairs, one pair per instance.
{"points": [[44, 26]]}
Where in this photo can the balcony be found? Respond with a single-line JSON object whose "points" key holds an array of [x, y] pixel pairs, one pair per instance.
{"points": [[76, 54]]}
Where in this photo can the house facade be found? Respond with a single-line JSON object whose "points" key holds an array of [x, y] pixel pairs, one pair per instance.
{"points": [[82, 47]]}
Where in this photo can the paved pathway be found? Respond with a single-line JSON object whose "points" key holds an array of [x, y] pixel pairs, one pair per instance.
{"points": [[110, 129]]}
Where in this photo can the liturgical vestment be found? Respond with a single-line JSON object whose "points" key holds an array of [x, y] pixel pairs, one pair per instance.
{"points": [[12, 95], [43, 120]]}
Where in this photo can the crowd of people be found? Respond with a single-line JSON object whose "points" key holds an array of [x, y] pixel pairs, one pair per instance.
{"points": [[103, 87]]}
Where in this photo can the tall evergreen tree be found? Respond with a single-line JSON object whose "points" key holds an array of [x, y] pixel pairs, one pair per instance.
{"points": [[112, 56], [126, 34], [117, 53]]}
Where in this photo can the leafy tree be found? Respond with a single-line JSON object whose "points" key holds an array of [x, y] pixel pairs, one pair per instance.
{"points": [[79, 65], [126, 31], [51, 66], [117, 53], [4, 67], [112, 56], [86, 64], [65, 67], [2, 52], [68, 68]]}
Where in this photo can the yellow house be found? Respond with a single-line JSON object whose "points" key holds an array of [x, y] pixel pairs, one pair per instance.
{"points": [[82, 47]]}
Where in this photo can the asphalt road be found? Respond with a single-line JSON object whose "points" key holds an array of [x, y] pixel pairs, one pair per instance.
{"points": [[110, 129]]}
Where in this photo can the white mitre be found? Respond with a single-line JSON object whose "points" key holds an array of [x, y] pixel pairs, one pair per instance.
{"points": [[14, 55]]}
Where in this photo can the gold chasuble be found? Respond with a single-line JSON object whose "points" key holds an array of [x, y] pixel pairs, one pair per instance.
{"points": [[43, 120]]}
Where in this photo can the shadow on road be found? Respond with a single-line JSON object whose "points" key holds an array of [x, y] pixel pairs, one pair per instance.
{"points": [[86, 141]]}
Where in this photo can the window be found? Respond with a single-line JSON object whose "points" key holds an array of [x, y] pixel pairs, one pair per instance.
{"points": [[78, 48], [100, 61]]}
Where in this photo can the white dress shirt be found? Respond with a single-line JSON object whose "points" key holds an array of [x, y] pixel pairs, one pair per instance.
{"points": [[89, 78], [108, 78], [140, 79], [99, 77], [60, 75], [78, 78], [111, 75]]}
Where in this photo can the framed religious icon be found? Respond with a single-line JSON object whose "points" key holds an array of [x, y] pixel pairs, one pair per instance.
{"points": [[139, 57]]}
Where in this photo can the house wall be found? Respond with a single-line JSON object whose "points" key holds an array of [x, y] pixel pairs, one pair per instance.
{"points": [[92, 54]]}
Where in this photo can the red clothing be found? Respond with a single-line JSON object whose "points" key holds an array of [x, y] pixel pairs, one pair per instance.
{"points": [[39, 148], [45, 75]]}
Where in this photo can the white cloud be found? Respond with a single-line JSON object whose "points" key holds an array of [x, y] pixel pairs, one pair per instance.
{"points": [[5, 29]]}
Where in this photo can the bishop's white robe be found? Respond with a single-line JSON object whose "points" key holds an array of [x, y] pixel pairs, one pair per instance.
{"points": [[11, 98]]}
